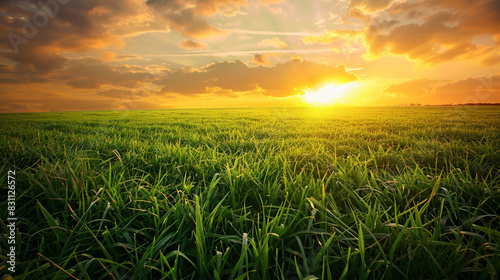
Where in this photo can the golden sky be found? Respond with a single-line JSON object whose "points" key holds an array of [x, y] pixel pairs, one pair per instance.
{"points": [[65, 55]]}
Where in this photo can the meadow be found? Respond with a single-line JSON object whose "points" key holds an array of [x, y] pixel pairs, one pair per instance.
{"points": [[280, 193]]}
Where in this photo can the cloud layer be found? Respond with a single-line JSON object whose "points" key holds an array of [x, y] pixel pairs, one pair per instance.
{"points": [[470, 90], [189, 16], [102, 51], [282, 80], [434, 31], [38, 36]]}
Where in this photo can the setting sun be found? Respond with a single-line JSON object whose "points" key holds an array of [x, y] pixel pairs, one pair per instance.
{"points": [[327, 94]]}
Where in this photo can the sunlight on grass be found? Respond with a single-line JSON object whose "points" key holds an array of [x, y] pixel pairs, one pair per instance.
{"points": [[357, 193]]}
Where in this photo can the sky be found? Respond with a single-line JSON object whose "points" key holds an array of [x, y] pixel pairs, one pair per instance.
{"points": [[75, 55]]}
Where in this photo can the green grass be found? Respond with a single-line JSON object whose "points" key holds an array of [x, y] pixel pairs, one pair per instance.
{"points": [[299, 193]]}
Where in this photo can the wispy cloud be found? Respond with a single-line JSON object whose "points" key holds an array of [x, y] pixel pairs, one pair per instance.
{"points": [[270, 32], [246, 52]]}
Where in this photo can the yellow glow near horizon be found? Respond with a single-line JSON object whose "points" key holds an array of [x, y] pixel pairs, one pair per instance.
{"points": [[328, 94]]}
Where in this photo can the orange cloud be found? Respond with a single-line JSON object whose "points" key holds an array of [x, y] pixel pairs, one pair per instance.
{"points": [[190, 45], [266, 3], [471, 90], [189, 18], [281, 80], [415, 87], [435, 31], [491, 60], [482, 88], [274, 42], [260, 59], [358, 14], [73, 103], [87, 73], [370, 5], [329, 36], [123, 94], [36, 40], [127, 57], [296, 57], [108, 56]]}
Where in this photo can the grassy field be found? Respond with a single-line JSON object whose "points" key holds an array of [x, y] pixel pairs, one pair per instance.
{"points": [[298, 193]]}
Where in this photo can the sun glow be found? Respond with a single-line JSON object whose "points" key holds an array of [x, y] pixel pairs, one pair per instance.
{"points": [[327, 94]]}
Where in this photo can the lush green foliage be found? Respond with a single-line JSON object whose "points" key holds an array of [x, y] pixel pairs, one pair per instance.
{"points": [[300, 193]]}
